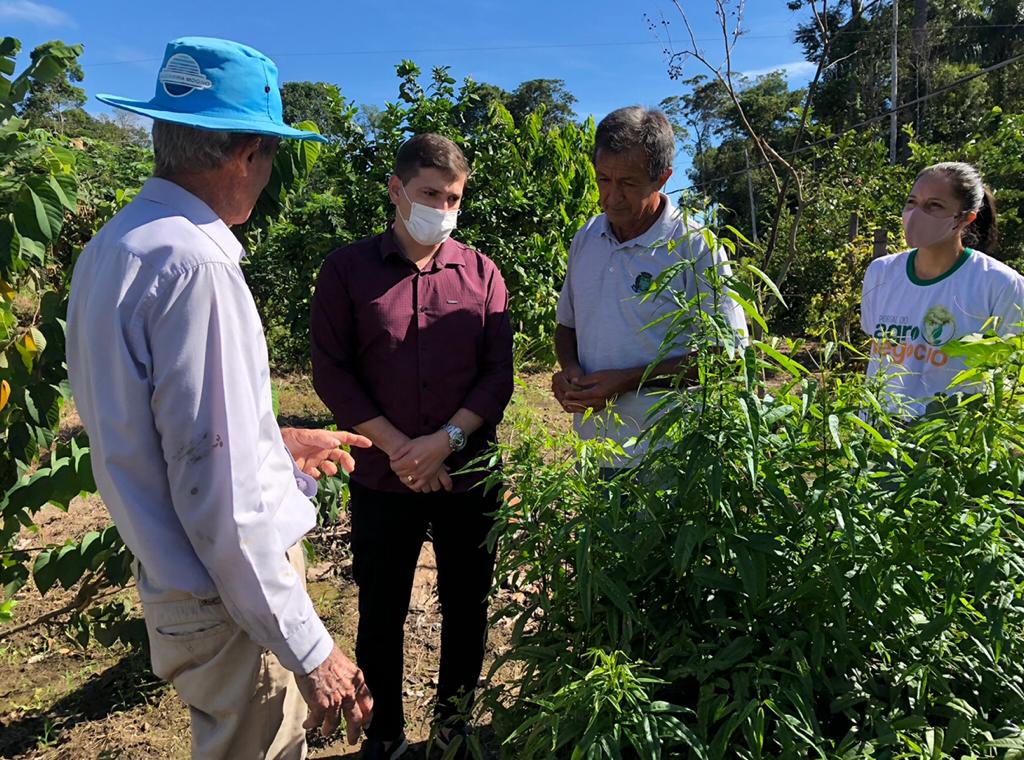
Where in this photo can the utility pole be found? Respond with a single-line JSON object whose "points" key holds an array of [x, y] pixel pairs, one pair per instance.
{"points": [[750, 191], [920, 43], [893, 100]]}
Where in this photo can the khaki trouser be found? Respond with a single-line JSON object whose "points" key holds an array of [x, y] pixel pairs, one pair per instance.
{"points": [[242, 701]]}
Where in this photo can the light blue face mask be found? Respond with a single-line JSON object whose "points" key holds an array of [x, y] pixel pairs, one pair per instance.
{"points": [[426, 225]]}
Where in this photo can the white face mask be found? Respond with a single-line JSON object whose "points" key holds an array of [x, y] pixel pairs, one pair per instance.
{"points": [[426, 225]]}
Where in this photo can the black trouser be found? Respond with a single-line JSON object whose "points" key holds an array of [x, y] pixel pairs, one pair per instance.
{"points": [[387, 533]]}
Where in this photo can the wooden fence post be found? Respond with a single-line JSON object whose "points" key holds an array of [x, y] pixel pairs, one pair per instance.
{"points": [[881, 242]]}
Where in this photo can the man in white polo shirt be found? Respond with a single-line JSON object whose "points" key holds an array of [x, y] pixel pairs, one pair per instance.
{"points": [[614, 262]]}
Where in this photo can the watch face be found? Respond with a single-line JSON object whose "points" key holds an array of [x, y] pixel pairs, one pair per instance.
{"points": [[456, 437]]}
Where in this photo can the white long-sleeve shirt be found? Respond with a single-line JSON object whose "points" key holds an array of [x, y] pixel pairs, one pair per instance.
{"points": [[168, 365]]}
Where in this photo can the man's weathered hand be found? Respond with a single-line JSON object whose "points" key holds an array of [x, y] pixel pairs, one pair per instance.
{"points": [[420, 462], [333, 689], [562, 383], [598, 388], [319, 451]]}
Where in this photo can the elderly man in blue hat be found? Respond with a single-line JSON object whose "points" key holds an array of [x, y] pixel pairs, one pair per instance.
{"points": [[168, 364]]}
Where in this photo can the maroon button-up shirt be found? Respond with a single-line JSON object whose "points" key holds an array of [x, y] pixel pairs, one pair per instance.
{"points": [[388, 339]]}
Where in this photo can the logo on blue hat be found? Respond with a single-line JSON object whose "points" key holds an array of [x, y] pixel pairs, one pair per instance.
{"points": [[233, 87], [181, 75]]}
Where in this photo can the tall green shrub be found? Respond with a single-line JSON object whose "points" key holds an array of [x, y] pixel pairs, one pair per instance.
{"points": [[38, 190], [780, 577]]}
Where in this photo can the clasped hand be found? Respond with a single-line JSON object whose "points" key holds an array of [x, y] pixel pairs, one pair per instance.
{"points": [[419, 463], [577, 392]]}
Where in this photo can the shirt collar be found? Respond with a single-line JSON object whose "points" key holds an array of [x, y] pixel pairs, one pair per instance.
{"points": [[449, 254], [167, 193], [659, 233]]}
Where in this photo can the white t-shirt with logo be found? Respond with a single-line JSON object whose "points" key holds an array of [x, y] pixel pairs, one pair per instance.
{"points": [[606, 300], [909, 320]]}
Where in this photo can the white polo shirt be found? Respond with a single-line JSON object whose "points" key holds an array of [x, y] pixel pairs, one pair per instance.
{"points": [[168, 364], [603, 300]]}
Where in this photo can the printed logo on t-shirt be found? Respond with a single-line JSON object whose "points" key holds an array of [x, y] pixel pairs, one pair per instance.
{"points": [[898, 338], [939, 326]]}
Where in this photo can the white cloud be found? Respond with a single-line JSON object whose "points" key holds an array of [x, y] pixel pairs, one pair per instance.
{"points": [[33, 12], [792, 70]]}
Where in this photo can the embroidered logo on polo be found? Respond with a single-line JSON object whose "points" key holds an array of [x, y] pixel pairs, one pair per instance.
{"points": [[181, 76], [643, 282], [900, 340]]}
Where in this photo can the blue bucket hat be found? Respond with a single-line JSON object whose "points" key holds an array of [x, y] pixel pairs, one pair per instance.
{"points": [[216, 84]]}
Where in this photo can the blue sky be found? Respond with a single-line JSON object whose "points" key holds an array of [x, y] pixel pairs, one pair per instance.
{"points": [[604, 50]]}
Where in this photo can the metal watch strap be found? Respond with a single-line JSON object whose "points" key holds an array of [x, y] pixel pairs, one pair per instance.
{"points": [[456, 437]]}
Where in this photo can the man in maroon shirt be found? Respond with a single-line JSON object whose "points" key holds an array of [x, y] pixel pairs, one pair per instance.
{"points": [[412, 347]]}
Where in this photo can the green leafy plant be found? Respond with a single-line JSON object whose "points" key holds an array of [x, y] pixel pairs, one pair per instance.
{"points": [[38, 190], [792, 570]]}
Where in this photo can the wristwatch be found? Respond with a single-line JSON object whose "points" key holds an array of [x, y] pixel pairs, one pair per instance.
{"points": [[456, 437]]}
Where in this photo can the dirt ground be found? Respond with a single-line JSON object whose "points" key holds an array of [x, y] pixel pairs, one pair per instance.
{"points": [[59, 701]]}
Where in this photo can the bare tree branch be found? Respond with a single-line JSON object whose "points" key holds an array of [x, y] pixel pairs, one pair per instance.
{"points": [[786, 179]]}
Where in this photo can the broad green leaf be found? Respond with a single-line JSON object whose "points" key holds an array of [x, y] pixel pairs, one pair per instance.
{"points": [[26, 347], [54, 202], [44, 570], [38, 341], [31, 217], [309, 150], [60, 194], [70, 566]]}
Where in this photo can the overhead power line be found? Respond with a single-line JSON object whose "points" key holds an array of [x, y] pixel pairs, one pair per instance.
{"points": [[537, 46], [878, 117]]}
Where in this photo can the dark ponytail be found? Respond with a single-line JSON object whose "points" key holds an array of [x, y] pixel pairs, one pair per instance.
{"points": [[970, 190], [983, 232]]}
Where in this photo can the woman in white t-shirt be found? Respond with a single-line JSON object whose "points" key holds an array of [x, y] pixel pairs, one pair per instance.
{"points": [[915, 302]]}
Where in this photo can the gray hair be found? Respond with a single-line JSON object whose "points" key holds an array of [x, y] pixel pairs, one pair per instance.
{"points": [[178, 148], [634, 127]]}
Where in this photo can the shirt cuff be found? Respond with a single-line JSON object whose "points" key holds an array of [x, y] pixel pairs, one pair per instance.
{"points": [[307, 486], [306, 647]]}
